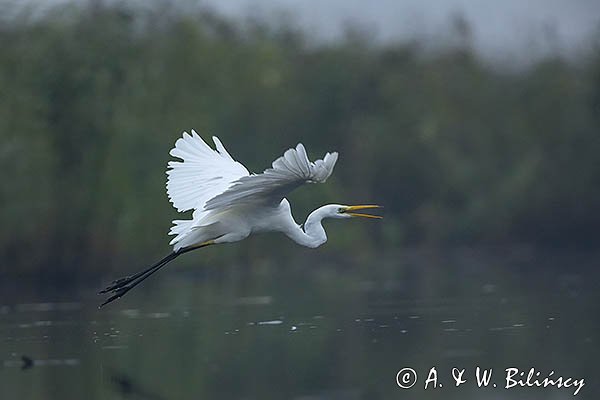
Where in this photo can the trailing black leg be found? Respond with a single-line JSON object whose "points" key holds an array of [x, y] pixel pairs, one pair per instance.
{"points": [[121, 286], [130, 278]]}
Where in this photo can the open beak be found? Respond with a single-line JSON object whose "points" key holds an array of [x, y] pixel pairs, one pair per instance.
{"points": [[350, 211]]}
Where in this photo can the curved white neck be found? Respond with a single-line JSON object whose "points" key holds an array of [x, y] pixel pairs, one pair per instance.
{"points": [[313, 234]]}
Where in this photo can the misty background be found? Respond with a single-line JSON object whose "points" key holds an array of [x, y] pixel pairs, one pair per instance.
{"points": [[459, 148], [525, 30], [475, 124]]}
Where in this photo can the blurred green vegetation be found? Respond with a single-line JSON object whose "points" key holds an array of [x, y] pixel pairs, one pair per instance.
{"points": [[458, 150]]}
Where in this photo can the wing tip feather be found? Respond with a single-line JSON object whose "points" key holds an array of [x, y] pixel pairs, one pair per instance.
{"points": [[191, 178]]}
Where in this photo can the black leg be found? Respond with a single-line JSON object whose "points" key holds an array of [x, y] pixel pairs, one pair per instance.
{"points": [[116, 284], [121, 286]]}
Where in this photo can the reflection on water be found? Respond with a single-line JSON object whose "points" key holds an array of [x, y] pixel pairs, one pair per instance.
{"points": [[310, 332]]}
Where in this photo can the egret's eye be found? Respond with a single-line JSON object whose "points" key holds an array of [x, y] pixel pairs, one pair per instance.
{"points": [[340, 210]]}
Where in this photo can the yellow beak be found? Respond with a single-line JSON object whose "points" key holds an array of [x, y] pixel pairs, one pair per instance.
{"points": [[350, 211]]}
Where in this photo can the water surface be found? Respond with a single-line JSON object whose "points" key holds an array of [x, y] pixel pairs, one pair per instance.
{"points": [[328, 330]]}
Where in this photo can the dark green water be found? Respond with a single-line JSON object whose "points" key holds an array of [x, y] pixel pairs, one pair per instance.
{"points": [[326, 330]]}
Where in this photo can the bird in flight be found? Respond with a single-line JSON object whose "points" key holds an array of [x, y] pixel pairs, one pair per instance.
{"points": [[230, 203]]}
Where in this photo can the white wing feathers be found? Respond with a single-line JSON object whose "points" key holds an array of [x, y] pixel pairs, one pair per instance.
{"points": [[203, 173], [287, 173], [210, 179]]}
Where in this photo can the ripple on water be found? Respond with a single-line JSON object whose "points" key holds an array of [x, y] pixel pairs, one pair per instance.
{"points": [[66, 362], [506, 328], [272, 322], [253, 301], [158, 315], [131, 313], [44, 307], [115, 347]]}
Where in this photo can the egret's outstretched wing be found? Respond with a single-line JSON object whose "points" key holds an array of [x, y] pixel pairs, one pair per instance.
{"points": [[287, 173], [203, 174]]}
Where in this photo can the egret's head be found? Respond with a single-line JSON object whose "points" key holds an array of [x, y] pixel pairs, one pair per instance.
{"points": [[341, 211]]}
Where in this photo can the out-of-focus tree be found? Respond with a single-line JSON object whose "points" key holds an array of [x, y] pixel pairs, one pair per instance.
{"points": [[457, 150]]}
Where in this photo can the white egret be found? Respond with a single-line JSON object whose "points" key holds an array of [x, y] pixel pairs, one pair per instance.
{"points": [[230, 203]]}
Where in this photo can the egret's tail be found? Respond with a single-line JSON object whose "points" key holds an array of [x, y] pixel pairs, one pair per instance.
{"points": [[190, 232], [180, 226]]}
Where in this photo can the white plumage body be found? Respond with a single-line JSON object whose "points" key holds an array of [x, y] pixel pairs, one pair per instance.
{"points": [[229, 203]]}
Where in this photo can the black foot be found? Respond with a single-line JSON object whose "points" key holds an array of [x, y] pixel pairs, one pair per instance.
{"points": [[119, 287], [116, 284], [118, 293]]}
